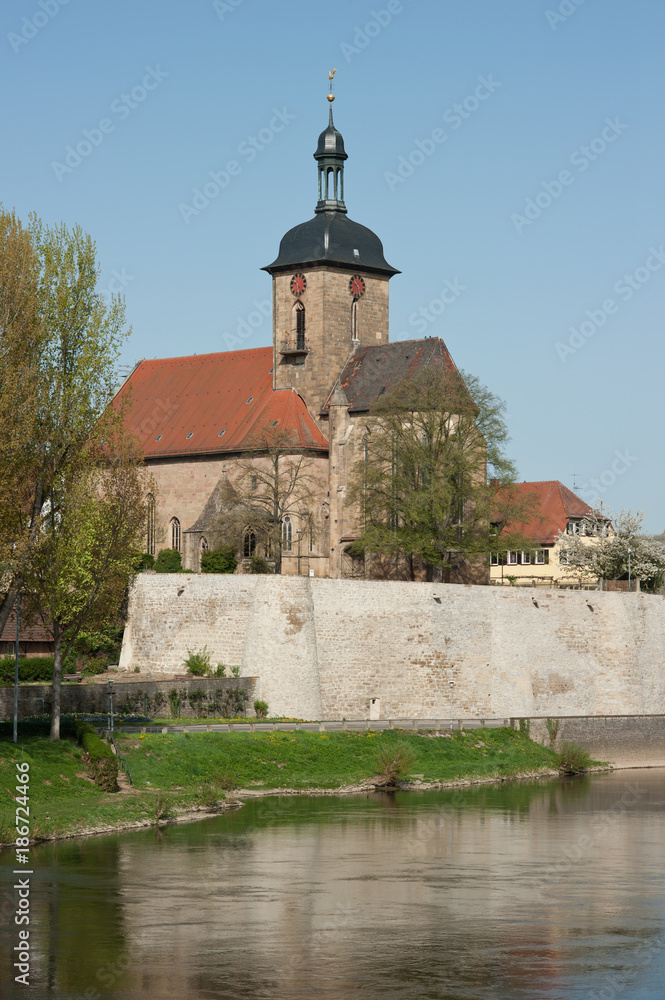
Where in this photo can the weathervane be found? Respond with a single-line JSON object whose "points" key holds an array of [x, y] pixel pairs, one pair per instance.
{"points": [[331, 96]]}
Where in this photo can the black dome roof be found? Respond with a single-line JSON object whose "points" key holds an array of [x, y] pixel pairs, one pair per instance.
{"points": [[331, 238], [330, 143]]}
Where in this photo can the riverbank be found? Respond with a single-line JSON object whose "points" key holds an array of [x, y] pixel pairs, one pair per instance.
{"points": [[182, 777]]}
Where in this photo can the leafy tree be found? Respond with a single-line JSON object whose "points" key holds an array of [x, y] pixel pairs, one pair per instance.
{"points": [[602, 550], [168, 561], [421, 487], [91, 523], [220, 560], [59, 344]]}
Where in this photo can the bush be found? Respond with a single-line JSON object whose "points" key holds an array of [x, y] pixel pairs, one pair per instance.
{"points": [[102, 760], [233, 704], [393, 763], [221, 560], [573, 759], [525, 727], [30, 668], [261, 708], [168, 561], [174, 702], [259, 565], [94, 666], [198, 664], [146, 561], [220, 671]]}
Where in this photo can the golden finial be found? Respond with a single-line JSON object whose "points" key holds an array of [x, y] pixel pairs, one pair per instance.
{"points": [[331, 73]]}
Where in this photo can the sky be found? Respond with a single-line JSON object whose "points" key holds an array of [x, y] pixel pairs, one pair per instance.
{"points": [[508, 153]]}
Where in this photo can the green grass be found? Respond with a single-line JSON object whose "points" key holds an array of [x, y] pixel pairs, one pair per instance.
{"points": [[302, 760], [173, 771]]}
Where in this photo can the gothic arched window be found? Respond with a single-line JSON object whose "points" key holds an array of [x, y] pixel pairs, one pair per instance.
{"points": [[175, 533], [354, 321], [150, 546], [287, 534], [203, 548], [249, 544], [300, 326]]}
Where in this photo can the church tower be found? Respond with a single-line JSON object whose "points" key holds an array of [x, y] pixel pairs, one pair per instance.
{"points": [[330, 286]]}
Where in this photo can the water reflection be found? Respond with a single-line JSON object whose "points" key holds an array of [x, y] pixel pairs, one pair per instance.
{"points": [[541, 890]]}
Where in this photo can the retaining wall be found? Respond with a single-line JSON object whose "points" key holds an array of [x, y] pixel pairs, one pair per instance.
{"points": [[325, 648]]}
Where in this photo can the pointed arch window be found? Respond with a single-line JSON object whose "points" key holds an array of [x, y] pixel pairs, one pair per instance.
{"points": [[300, 326], [175, 533], [287, 534], [354, 321], [203, 548], [150, 542], [249, 544]]}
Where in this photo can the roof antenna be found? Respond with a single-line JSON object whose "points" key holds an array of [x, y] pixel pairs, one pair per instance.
{"points": [[575, 487]]}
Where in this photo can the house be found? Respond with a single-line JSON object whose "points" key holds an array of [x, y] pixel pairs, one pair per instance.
{"points": [[203, 420], [556, 511]]}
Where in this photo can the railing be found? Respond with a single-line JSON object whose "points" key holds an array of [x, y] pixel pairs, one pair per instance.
{"points": [[298, 346]]}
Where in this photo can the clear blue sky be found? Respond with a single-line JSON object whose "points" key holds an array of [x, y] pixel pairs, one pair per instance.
{"points": [[180, 87]]}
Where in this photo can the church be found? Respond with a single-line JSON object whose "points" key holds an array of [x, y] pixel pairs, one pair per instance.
{"points": [[203, 420]]}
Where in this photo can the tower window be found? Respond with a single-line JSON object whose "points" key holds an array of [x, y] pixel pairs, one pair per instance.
{"points": [[175, 533], [354, 321], [300, 326]]}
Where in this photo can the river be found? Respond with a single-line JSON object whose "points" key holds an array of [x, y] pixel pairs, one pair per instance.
{"points": [[545, 890]]}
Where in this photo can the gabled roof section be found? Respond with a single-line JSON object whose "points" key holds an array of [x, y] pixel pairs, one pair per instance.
{"points": [[372, 371], [554, 506], [213, 403]]}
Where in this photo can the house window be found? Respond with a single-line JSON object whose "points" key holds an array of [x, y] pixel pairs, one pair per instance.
{"points": [[563, 558], [249, 544], [494, 559], [572, 527], [150, 547], [512, 558], [175, 533], [300, 326], [526, 558], [542, 557], [287, 534]]}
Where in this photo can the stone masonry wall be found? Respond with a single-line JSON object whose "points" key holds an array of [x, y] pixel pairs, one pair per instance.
{"points": [[323, 648]]}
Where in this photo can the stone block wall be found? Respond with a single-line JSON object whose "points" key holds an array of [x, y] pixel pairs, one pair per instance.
{"points": [[325, 648], [624, 740]]}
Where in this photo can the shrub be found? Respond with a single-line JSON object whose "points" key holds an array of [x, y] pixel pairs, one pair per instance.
{"points": [[235, 671], [261, 708], [393, 763], [93, 666], [259, 565], [198, 664], [196, 699], [552, 730], [102, 760], [573, 759], [30, 668], [174, 699], [233, 704], [146, 561], [221, 560], [220, 671], [525, 727], [168, 561]]}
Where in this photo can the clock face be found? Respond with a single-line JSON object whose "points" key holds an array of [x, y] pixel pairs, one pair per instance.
{"points": [[298, 284], [357, 286]]}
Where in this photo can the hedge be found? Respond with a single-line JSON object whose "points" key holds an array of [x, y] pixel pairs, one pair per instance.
{"points": [[103, 762], [30, 668]]}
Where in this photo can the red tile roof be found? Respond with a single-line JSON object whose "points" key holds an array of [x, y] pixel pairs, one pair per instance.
{"points": [[213, 403], [554, 505]]}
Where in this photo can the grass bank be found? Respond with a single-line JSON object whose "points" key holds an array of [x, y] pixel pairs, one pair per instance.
{"points": [[181, 774]]}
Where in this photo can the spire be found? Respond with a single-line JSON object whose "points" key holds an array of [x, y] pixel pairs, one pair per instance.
{"points": [[330, 157]]}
